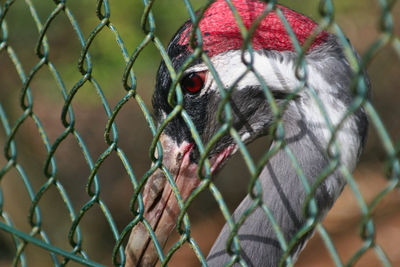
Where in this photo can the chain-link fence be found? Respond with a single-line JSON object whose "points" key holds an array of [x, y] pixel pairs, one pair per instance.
{"points": [[79, 139]]}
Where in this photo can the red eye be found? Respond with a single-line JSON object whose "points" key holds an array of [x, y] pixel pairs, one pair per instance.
{"points": [[193, 82]]}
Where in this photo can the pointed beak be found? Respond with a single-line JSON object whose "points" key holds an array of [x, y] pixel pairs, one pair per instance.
{"points": [[161, 208]]}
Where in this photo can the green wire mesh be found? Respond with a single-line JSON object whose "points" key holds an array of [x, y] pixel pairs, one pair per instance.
{"points": [[69, 90]]}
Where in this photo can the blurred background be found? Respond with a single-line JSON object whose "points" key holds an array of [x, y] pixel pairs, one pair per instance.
{"points": [[358, 19]]}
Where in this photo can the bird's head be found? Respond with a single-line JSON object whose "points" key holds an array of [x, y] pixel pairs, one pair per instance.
{"points": [[273, 61]]}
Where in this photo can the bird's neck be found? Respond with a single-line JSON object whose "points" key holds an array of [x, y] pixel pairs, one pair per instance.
{"points": [[284, 195]]}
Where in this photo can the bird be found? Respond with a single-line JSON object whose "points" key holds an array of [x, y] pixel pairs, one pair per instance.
{"points": [[306, 130]]}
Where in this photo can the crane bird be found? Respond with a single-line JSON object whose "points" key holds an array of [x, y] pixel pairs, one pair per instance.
{"points": [[306, 131]]}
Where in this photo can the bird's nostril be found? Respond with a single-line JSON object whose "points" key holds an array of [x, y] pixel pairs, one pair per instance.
{"points": [[155, 202]]}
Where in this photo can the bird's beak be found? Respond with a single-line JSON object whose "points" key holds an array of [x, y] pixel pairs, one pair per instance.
{"points": [[161, 208]]}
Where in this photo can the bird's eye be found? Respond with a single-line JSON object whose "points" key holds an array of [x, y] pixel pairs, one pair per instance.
{"points": [[193, 82]]}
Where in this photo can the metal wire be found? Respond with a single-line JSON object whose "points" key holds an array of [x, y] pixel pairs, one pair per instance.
{"points": [[37, 235]]}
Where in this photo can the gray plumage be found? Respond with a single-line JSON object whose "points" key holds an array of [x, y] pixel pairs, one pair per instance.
{"points": [[284, 195], [283, 192]]}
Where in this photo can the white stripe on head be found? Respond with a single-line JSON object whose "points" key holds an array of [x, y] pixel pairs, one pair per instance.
{"points": [[347, 137], [278, 73], [229, 66]]}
